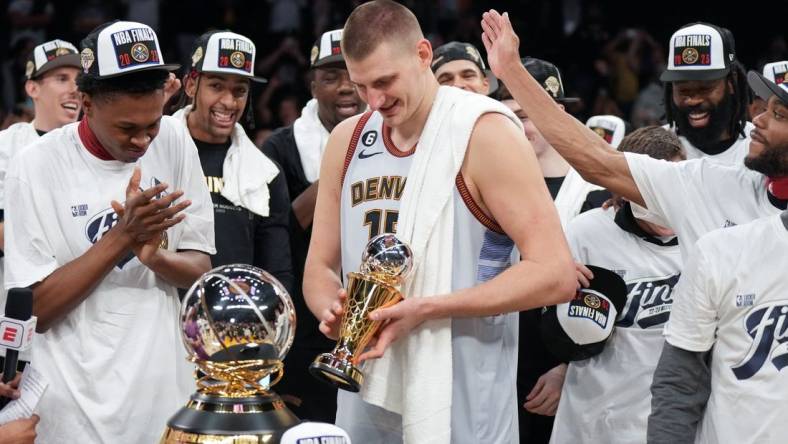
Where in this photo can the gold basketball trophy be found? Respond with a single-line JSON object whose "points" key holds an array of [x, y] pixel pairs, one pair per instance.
{"points": [[385, 263], [238, 322]]}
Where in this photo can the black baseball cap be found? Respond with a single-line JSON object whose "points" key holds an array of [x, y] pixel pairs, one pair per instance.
{"points": [[327, 50], [578, 329], [50, 55], [119, 47], [457, 51], [225, 52], [700, 51], [546, 74], [765, 88]]}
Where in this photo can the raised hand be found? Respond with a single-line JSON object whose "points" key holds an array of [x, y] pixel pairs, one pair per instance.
{"points": [[500, 41]]}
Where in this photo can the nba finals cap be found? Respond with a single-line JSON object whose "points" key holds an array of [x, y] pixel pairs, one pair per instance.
{"points": [[225, 52], [50, 55], [765, 88], [315, 433], [699, 51], [457, 51], [578, 329], [327, 50], [610, 128], [546, 74], [777, 72], [117, 48]]}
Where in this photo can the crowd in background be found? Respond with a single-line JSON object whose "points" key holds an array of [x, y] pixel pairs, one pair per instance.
{"points": [[610, 56]]}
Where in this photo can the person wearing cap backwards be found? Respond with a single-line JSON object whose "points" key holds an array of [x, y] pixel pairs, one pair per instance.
{"points": [[250, 201], [51, 74], [692, 197], [539, 373], [298, 149], [706, 94], [648, 258], [460, 64], [104, 274], [453, 175], [727, 329]]}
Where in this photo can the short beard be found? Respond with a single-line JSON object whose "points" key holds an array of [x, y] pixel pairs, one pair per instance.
{"points": [[772, 162], [708, 137]]}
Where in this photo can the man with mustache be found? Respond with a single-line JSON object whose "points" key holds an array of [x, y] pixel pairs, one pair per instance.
{"points": [[298, 149], [706, 94]]}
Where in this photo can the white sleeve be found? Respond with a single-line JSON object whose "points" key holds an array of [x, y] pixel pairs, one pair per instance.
{"points": [[29, 256], [198, 231], [693, 318], [664, 186]]}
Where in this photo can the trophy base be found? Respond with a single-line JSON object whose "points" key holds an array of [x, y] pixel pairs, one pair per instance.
{"points": [[337, 372], [216, 419]]}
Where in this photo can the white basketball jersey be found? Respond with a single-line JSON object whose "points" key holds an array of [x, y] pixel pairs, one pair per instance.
{"points": [[621, 375], [484, 350]]}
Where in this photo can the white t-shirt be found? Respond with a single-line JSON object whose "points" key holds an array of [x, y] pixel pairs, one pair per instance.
{"points": [[697, 196], [733, 298], [734, 155], [115, 363], [606, 398], [12, 140]]}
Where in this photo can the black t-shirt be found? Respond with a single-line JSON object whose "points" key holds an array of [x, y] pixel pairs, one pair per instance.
{"points": [[242, 236], [281, 147]]}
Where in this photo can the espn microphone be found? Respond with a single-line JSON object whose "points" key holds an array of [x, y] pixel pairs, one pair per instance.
{"points": [[16, 328]]}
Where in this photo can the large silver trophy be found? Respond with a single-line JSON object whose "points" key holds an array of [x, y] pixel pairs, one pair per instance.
{"points": [[385, 263], [238, 322]]}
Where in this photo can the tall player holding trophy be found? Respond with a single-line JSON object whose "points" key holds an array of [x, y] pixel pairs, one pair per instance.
{"points": [[444, 363]]}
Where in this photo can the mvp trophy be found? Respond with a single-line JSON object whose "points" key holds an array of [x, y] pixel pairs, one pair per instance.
{"points": [[238, 322], [384, 265]]}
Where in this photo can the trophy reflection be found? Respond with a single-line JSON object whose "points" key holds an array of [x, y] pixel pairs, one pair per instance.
{"points": [[385, 263], [238, 322]]}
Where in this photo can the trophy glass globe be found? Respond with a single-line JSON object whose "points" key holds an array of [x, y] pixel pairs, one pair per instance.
{"points": [[238, 322], [388, 258]]}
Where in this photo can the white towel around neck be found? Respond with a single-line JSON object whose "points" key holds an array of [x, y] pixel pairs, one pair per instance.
{"points": [[246, 171], [311, 138], [414, 377]]}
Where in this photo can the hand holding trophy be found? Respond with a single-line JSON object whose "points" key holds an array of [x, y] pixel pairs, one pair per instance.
{"points": [[385, 263]]}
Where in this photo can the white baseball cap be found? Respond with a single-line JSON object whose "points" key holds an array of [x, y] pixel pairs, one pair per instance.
{"points": [[777, 72], [315, 433], [327, 50], [610, 128], [225, 52], [50, 55], [699, 51], [117, 48]]}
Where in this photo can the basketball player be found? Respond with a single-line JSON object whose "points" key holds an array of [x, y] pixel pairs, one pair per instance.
{"points": [[706, 94], [692, 197], [648, 258], [367, 162], [460, 64], [104, 274], [728, 326]]}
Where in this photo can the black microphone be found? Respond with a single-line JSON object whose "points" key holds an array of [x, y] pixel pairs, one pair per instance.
{"points": [[19, 305]]}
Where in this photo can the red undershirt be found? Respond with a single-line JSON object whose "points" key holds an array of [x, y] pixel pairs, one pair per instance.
{"points": [[91, 142]]}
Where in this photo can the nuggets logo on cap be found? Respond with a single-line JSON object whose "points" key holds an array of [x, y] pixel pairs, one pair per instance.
{"points": [[61, 51], [692, 49], [235, 53], [315, 53], [589, 306], [135, 46], [605, 134], [140, 53], [29, 68], [473, 53]]}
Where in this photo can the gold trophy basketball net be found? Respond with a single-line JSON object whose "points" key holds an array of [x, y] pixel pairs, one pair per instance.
{"points": [[365, 294], [237, 379]]}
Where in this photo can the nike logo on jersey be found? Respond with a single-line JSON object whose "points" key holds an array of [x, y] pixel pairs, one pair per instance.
{"points": [[766, 325], [363, 155]]}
